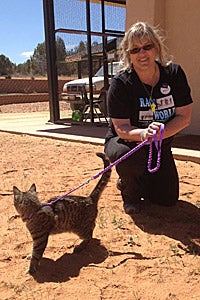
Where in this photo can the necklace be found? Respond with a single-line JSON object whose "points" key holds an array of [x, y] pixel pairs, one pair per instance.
{"points": [[153, 105]]}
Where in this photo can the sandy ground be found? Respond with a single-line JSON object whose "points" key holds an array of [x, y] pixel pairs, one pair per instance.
{"points": [[156, 255]]}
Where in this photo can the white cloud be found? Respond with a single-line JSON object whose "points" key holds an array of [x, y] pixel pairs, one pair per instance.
{"points": [[69, 47], [27, 54]]}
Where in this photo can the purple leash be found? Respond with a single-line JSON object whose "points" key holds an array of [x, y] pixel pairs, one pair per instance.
{"points": [[125, 156], [158, 144]]}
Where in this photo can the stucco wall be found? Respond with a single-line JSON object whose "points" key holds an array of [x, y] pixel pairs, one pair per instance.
{"points": [[180, 21], [151, 11], [182, 25]]}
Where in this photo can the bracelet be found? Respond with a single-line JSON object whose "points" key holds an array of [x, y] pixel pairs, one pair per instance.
{"points": [[142, 135]]}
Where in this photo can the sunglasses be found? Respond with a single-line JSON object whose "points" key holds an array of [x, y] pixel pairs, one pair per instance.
{"points": [[137, 50]]}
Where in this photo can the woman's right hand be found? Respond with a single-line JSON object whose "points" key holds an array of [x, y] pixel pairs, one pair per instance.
{"points": [[150, 130]]}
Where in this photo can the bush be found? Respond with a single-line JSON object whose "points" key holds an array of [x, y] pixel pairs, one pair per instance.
{"points": [[8, 77]]}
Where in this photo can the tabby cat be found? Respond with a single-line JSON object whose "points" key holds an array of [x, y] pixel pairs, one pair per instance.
{"points": [[75, 214]]}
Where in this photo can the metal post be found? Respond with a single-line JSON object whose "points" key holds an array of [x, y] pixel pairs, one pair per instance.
{"points": [[49, 26], [79, 64], [105, 61], [89, 50]]}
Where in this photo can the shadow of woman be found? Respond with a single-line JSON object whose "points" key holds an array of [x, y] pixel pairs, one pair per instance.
{"points": [[69, 265], [181, 222]]}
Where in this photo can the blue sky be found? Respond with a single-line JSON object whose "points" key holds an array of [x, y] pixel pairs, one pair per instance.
{"points": [[22, 24], [22, 28]]}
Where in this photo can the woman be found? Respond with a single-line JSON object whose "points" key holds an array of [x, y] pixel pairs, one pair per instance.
{"points": [[150, 91]]}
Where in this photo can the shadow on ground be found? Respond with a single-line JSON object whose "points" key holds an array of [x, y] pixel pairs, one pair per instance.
{"points": [[70, 264], [191, 142], [180, 222], [99, 130], [80, 130]]}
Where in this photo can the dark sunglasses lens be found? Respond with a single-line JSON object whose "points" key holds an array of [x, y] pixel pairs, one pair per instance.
{"points": [[134, 50], [137, 50]]}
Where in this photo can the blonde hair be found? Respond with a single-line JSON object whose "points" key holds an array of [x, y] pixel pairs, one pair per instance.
{"points": [[137, 32]]}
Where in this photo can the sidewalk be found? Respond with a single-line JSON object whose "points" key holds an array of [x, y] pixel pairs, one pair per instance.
{"points": [[36, 123]]}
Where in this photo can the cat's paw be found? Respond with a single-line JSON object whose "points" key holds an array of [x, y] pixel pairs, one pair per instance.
{"points": [[34, 264], [32, 270], [77, 250], [29, 256], [81, 247]]}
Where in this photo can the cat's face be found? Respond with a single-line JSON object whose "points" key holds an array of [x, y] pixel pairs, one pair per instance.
{"points": [[25, 202]]}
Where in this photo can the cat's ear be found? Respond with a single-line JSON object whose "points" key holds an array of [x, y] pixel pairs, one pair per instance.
{"points": [[32, 188], [16, 191]]}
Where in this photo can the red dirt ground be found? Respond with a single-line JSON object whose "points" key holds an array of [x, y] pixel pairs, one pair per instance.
{"points": [[155, 256]]}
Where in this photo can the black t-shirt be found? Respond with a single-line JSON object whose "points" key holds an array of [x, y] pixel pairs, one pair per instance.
{"points": [[128, 98]]}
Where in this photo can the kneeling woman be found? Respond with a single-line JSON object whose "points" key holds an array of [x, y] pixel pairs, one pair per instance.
{"points": [[149, 91]]}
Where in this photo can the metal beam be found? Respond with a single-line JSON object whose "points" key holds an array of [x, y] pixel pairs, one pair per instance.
{"points": [[105, 55], [51, 59], [89, 51], [121, 3], [107, 32]]}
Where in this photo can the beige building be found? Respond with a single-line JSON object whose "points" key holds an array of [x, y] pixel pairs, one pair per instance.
{"points": [[180, 21]]}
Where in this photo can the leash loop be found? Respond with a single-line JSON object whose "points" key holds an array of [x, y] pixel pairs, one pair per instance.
{"points": [[158, 144]]}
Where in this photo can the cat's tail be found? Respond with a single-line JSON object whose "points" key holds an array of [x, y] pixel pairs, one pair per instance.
{"points": [[96, 193]]}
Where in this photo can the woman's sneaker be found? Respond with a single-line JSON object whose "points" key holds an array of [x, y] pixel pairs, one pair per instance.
{"points": [[131, 208], [119, 184]]}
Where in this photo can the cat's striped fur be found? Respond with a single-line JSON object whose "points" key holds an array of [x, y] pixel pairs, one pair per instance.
{"points": [[75, 214]]}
